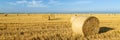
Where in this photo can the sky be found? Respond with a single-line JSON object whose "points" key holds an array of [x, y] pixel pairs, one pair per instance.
{"points": [[37, 6]]}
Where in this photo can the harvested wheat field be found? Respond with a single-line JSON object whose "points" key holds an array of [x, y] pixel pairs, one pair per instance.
{"points": [[58, 27]]}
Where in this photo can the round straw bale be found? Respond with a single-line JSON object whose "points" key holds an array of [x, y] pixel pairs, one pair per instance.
{"points": [[85, 25], [51, 17]]}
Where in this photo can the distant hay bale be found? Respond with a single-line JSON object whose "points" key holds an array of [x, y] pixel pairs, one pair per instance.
{"points": [[10, 15], [28, 14], [85, 25], [51, 17], [17, 14], [6, 14]]}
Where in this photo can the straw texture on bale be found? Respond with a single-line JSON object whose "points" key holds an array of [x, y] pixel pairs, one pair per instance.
{"points": [[85, 25]]}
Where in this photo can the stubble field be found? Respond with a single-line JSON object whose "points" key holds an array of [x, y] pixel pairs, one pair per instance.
{"points": [[54, 27]]}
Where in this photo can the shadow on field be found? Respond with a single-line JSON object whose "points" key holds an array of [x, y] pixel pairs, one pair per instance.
{"points": [[105, 29]]}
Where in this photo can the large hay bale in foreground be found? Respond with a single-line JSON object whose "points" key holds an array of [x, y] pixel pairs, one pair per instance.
{"points": [[85, 25]]}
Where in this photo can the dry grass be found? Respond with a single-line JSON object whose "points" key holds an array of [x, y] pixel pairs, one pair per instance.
{"points": [[38, 27]]}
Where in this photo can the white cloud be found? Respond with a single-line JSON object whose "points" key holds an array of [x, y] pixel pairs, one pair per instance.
{"points": [[53, 2], [85, 2], [35, 3], [80, 2], [18, 2], [12, 3], [22, 1]]}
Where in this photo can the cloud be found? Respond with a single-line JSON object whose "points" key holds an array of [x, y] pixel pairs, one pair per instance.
{"points": [[18, 2], [53, 2], [80, 2], [35, 3], [50, 3], [12, 3], [22, 1], [85, 2]]}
